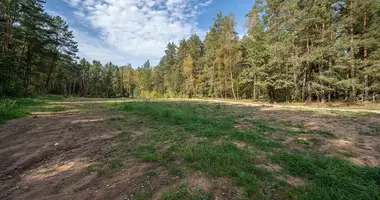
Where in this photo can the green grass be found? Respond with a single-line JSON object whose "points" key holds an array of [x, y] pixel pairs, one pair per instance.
{"points": [[227, 159], [303, 142], [201, 137], [50, 109], [375, 131], [154, 172], [330, 177], [201, 120], [182, 192], [20, 107], [95, 168], [116, 164], [178, 171]]}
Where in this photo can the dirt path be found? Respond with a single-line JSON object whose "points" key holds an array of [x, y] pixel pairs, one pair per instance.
{"points": [[47, 155]]}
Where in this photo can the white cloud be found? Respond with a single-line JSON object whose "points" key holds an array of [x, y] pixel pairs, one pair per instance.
{"points": [[54, 13], [135, 29], [93, 48]]}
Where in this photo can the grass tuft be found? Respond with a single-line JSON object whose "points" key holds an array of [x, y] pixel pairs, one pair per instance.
{"points": [[116, 164], [182, 192], [96, 168], [331, 177]]}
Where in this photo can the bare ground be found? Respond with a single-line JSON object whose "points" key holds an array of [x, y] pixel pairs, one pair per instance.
{"points": [[47, 155]]}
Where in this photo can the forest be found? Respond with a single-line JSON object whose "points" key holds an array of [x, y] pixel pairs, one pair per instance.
{"points": [[294, 51]]}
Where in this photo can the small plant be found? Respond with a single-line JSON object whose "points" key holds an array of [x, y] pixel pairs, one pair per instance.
{"points": [[178, 171], [116, 164], [323, 133], [349, 154], [96, 168], [154, 173], [375, 131], [116, 119], [182, 192], [303, 142], [139, 197]]}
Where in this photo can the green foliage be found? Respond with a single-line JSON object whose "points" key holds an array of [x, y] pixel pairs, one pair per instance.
{"points": [[293, 51]]}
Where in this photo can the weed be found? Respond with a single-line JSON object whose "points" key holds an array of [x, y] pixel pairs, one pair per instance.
{"points": [[50, 109], [349, 154], [182, 192], [95, 168], [178, 171], [303, 142], [322, 133], [375, 131], [116, 164], [139, 197], [154, 173], [116, 119], [147, 153]]}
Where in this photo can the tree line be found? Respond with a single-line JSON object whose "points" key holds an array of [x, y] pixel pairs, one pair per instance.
{"points": [[294, 50], [38, 51]]}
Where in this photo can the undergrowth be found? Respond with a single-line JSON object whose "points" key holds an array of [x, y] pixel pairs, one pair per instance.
{"points": [[11, 108]]}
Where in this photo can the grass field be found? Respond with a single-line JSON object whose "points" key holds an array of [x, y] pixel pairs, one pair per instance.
{"points": [[204, 137], [193, 150]]}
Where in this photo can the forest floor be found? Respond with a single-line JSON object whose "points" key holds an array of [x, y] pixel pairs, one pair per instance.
{"points": [[80, 148]]}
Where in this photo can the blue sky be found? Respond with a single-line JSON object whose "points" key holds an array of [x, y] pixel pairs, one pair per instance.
{"points": [[132, 31]]}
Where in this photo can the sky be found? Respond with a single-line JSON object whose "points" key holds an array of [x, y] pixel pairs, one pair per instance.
{"points": [[133, 31]]}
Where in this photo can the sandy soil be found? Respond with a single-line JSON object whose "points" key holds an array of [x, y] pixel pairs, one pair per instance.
{"points": [[46, 156], [357, 137]]}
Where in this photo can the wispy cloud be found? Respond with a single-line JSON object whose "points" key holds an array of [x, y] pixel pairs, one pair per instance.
{"points": [[134, 30]]}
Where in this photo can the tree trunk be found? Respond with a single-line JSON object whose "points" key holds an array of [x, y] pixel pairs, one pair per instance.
{"points": [[232, 84], [308, 71], [28, 68], [8, 34], [374, 97], [304, 85], [365, 58], [309, 92], [74, 86], [254, 87], [321, 68], [50, 72], [353, 92]]}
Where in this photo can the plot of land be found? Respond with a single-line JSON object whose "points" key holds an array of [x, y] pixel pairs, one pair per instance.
{"points": [[135, 149]]}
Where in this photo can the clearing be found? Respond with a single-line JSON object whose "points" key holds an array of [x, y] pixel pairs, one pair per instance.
{"points": [[81, 148]]}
